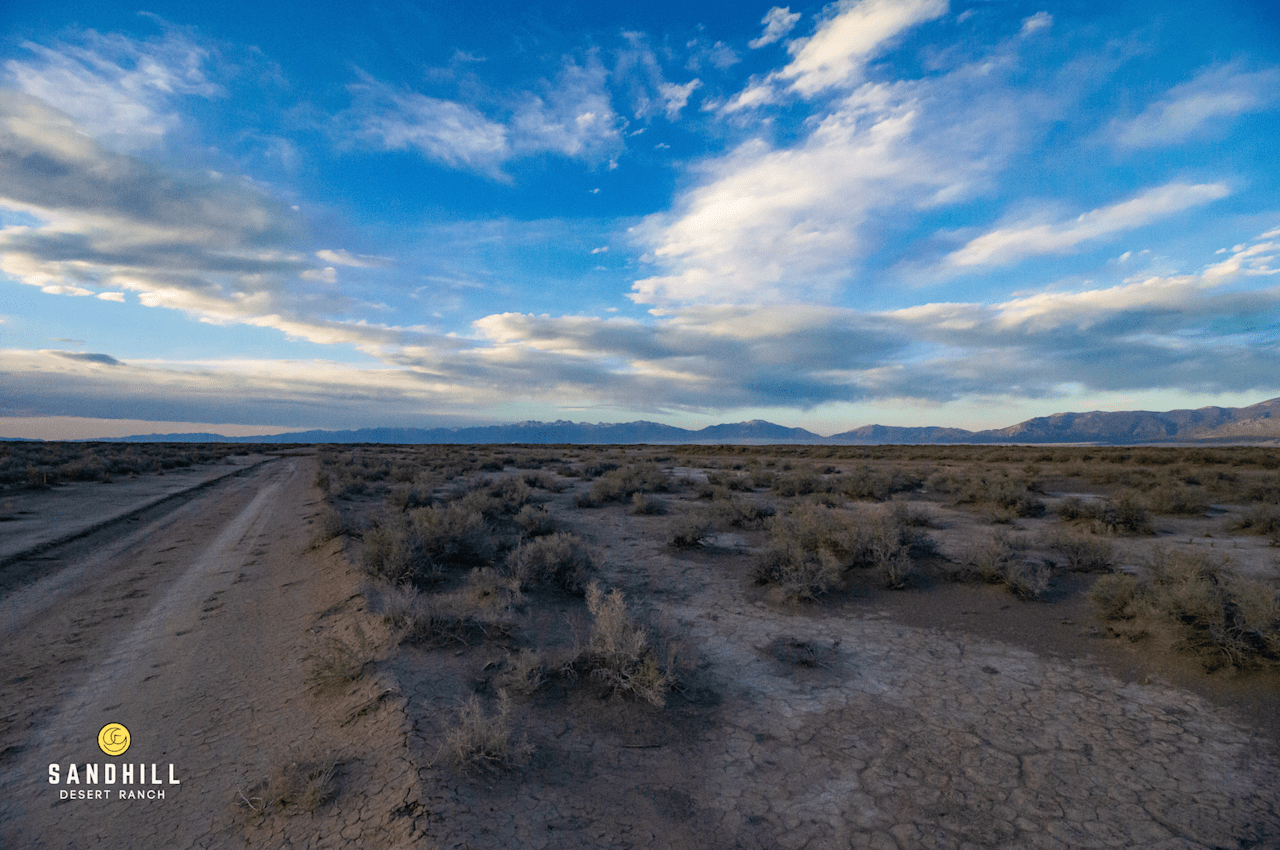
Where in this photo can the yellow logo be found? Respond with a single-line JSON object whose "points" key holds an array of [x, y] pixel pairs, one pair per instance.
{"points": [[113, 739]]}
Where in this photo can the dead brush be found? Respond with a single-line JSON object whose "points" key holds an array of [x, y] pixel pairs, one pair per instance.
{"points": [[483, 741], [1082, 553], [619, 654], [997, 561], [559, 560], [293, 788], [340, 662]]}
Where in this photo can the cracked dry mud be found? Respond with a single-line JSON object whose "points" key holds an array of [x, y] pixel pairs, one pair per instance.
{"points": [[819, 727], [816, 728]]}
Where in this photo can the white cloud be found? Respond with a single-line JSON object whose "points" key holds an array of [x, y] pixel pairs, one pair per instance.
{"points": [[111, 296], [573, 116], [778, 21], [341, 257], [1008, 245], [1035, 23], [451, 133], [1201, 106], [837, 52], [677, 96], [119, 90]]}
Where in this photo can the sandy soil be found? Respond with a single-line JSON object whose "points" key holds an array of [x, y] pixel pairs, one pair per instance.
{"points": [[194, 629]]}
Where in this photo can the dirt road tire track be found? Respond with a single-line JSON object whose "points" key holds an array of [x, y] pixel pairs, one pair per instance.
{"points": [[194, 631]]}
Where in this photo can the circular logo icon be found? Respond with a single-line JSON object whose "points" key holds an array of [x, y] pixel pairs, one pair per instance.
{"points": [[113, 739]]}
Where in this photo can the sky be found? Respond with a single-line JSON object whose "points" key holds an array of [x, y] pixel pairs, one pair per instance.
{"points": [[258, 217]]}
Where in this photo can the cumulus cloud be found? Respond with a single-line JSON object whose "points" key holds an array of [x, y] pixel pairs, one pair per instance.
{"points": [[118, 89], [778, 21], [1007, 245], [1201, 106]]}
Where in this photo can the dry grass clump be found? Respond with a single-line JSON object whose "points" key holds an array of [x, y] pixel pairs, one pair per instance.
{"points": [[619, 485], [1200, 606], [1260, 519], [1177, 499], [560, 560], [340, 662], [1010, 493], [294, 788], [1125, 513], [878, 484], [329, 524], [1000, 561], [619, 653], [811, 546], [422, 545], [643, 504], [741, 513], [690, 530], [480, 740], [525, 672], [535, 521], [1083, 553]]}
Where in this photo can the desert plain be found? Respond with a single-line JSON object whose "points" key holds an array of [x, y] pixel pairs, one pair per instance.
{"points": [[642, 646]]}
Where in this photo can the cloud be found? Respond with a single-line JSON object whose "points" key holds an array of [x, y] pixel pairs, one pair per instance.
{"points": [[86, 357], [778, 21], [1201, 106], [1008, 245], [215, 247], [1035, 23], [111, 296], [119, 90], [763, 222], [341, 257], [571, 116], [836, 53], [677, 96], [444, 131]]}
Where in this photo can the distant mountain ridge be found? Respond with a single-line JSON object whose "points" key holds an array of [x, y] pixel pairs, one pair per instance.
{"points": [[1254, 424]]}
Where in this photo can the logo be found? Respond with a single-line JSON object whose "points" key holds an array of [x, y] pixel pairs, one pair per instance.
{"points": [[113, 739]]}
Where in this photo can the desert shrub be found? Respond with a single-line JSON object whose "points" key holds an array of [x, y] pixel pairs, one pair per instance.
{"points": [[535, 521], [1178, 500], [454, 533], [340, 662], [408, 497], [619, 485], [1260, 519], [497, 498], [1083, 553], [908, 516], [560, 560], [1125, 513], [977, 487], [1112, 596], [742, 483], [998, 561], [524, 673], [741, 513], [801, 482], [480, 740], [800, 574], [690, 530], [812, 545], [295, 787], [393, 551], [866, 482], [329, 524], [642, 504], [1213, 613], [541, 481], [619, 653]]}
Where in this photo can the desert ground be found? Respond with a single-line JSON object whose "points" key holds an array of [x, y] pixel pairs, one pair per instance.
{"points": [[692, 647]]}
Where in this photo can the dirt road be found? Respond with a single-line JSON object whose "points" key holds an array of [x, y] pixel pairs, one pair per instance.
{"points": [[192, 629]]}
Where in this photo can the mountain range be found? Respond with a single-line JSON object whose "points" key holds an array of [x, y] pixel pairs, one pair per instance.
{"points": [[1258, 423]]}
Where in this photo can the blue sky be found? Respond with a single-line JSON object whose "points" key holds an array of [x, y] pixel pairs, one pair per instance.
{"points": [[270, 216]]}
